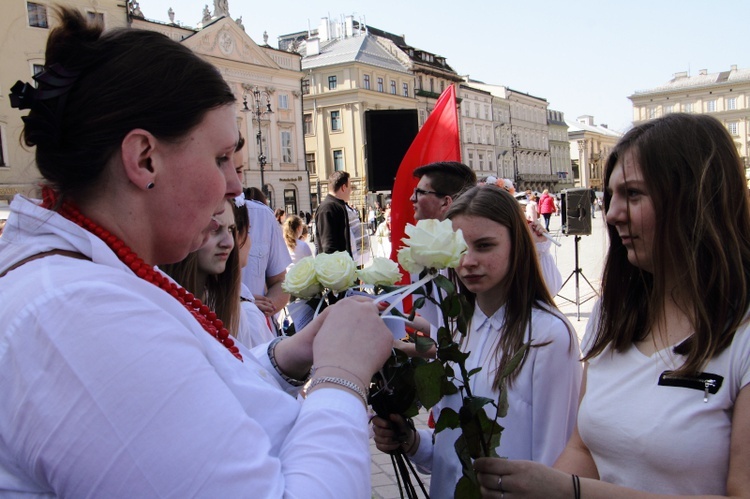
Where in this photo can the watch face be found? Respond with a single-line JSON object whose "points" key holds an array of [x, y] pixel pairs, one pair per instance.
{"points": [[226, 42]]}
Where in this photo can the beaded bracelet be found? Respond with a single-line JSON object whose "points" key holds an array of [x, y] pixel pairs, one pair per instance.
{"points": [[341, 382], [272, 358]]}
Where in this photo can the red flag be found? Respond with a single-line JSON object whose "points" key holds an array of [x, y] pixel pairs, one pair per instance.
{"points": [[436, 141]]}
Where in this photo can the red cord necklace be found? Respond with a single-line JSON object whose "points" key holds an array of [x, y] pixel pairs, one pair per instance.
{"points": [[204, 315]]}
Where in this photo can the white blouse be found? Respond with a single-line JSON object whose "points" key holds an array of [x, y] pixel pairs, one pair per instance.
{"points": [[543, 399], [110, 388]]}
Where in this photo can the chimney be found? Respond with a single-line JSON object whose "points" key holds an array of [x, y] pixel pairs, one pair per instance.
{"points": [[733, 67], [681, 74], [313, 46], [604, 125], [349, 26], [702, 72], [324, 33], [586, 119]]}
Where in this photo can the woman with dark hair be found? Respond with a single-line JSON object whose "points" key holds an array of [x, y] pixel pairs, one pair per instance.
{"points": [[501, 276], [666, 404], [114, 381]]}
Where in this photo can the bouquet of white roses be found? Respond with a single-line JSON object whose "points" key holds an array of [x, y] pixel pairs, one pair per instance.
{"points": [[317, 281]]}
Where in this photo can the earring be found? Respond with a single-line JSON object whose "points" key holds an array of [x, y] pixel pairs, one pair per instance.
{"points": [[150, 185]]}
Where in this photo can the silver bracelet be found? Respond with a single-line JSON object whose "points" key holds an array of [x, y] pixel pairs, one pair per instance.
{"points": [[341, 382], [272, 358]]}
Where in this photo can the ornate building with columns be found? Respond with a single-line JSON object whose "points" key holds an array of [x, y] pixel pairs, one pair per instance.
{"points": [[590, 145]]}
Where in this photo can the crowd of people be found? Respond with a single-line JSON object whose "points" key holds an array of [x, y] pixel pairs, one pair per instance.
{"points": [[140, 353]]}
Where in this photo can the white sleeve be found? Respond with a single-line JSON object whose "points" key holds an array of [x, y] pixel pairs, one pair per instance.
{"points": [[119, 398], [550, 272], [278, 258], [554, 403]]}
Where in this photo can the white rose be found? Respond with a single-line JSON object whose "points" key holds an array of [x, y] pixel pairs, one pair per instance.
{"points": [[301, 280], [382, 272], [407, 262], [434, 244], [336, 271]]}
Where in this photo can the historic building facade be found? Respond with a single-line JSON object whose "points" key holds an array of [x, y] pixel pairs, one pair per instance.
{"points": [[477, 130], [590, 145], [724, 95], [351, 68], [559, 150], [245, 65]]}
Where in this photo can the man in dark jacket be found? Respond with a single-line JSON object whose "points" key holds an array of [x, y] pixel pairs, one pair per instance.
{"points": [[332, 219]]}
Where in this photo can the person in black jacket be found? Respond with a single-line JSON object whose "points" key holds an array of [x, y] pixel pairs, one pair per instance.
{"points": [[332, 219]]}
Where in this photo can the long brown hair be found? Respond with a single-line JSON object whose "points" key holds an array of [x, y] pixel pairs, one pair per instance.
{"points": [[221, 292], [291, 226], [525, 288], [697, 184]]}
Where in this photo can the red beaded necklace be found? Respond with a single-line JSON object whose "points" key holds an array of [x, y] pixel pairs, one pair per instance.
{"points": [[204, 315]]}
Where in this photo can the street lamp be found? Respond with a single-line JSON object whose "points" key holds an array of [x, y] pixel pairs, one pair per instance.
{"points": [[259, 112], [515, 143]]}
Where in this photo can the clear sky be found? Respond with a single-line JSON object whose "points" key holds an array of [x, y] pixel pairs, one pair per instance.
{"points": [[583, 56]]}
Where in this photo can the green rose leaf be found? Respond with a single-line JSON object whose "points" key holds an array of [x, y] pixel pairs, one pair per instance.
{"points": [[515, 361], [448, 419], [423, 343], [445, 284], [428, 379]]}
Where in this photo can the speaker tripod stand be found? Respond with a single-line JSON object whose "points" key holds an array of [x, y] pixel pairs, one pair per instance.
{"points": [[578, 273]]}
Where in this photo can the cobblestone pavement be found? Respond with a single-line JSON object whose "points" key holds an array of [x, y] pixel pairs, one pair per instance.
{"points": [[591, 253]]}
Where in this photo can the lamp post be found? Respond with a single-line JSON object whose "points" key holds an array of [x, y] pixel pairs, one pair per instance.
{"points": [[515, 143], [259, 112]]}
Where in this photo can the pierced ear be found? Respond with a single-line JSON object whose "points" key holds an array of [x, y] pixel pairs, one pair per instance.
{"points": [[138, 156]]}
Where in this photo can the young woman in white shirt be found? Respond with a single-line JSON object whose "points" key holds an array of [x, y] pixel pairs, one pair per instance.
{"points": [[501, 275], [665, 409]]}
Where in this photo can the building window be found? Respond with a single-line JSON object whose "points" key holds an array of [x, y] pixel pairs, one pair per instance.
{"points": [[687, 107], [486, 112], [422, 117], [393, 87], [283, 101], [406, 89], [96, 18], [306, 87], [480, 156], [307, 124], [732, 128], [338, 160], [331, 83], [310, 162], [366, 82], [471, 160], [380, 84], [419, 82], [442, 86], [651, 113], [432, 85], [668, 109], [37, 15], [286, 147], [711, 106], [335, 121], [731, 103]]}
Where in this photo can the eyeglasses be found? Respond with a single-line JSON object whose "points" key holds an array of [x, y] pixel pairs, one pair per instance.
{"points": [[421, 192]]}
